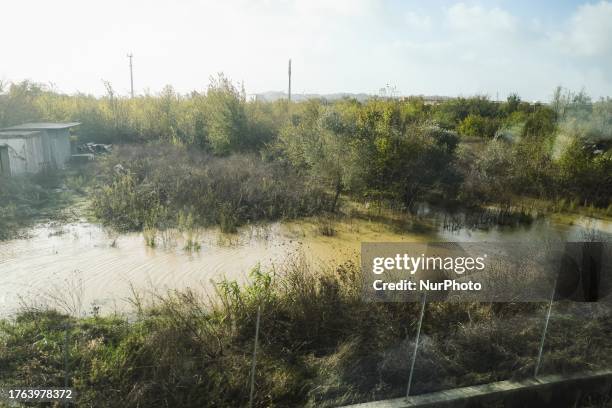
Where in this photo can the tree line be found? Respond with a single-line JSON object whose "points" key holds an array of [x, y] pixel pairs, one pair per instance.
{"points": [[464, 151]]}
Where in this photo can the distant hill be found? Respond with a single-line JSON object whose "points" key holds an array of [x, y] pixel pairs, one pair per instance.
{"points": [[272, 96]]}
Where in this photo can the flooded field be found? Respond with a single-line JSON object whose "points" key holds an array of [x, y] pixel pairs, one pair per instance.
{"points": [[83, 267]]}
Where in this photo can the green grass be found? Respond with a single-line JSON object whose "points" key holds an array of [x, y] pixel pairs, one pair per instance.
{"points": [[320, 345]]}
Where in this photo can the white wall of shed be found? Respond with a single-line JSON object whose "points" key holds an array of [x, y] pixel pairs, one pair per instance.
{"points": [[25, 154], [16, 155], [58, 152]]}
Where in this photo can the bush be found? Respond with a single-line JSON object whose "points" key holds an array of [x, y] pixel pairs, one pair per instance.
{"points": [[150, 186], [585, 175], [478, 126]]}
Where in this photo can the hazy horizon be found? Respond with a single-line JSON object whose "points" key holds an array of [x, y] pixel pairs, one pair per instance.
{"points": [[436, 48]]}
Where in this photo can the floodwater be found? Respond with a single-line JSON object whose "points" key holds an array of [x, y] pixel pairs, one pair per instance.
{"points": [[82, 267]]}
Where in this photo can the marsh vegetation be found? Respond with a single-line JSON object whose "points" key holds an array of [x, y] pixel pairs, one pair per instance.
{"points": [[184, 163], [230, 161]]}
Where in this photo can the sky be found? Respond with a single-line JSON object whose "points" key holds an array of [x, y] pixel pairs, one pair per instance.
{"points": [[435, 47]]}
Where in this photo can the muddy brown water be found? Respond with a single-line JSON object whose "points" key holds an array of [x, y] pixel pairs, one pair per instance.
{"points": [[80, 267]]}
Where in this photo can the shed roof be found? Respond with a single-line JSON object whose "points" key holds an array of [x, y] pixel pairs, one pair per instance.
{"points": [[42, 126], [17, 134]]}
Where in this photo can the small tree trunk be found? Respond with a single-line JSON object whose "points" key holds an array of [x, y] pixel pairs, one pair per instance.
{"points": [[409, 198], [336, 196]]}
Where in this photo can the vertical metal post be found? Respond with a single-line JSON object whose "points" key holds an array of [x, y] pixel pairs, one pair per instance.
{"points": [[254, 363], [131, 76], [66, 355], [289, 88], [416, 344], [543, 339]]}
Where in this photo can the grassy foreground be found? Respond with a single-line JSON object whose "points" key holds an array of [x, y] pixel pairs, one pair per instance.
{"points": [[320, 345]]}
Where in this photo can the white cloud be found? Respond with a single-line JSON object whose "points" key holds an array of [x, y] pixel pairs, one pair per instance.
{"points": [[335, 8], [476, 49], [480, 20], [590, 30], [418, 21], [336, 45]]}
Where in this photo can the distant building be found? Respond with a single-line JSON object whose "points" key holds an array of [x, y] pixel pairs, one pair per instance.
{"points": [[34, 147]]}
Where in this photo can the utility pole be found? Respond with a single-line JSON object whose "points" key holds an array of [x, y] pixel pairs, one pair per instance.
{"points": [[131, 76], [289, 92]]}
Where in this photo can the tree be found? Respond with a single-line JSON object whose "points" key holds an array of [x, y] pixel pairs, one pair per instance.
{"points": [[18, 104], [512, 104], [317, 146], [226, 117], [478, 126]]}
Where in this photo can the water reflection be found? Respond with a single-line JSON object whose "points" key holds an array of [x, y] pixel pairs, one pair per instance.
{"points": [[93, 267]]}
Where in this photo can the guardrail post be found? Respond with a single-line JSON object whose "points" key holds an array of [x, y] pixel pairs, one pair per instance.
{"points": [[543, 339], [66, 357], [254, 363], [416, 344]]}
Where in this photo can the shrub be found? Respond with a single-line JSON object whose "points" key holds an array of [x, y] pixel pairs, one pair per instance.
{"points": [[151, 186], [478, 126]]}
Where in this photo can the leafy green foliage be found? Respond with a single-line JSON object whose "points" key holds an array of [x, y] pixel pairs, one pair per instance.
{"points": [[478, 126], [226, 117], [382, 149], [451, 113], [585, 174]]}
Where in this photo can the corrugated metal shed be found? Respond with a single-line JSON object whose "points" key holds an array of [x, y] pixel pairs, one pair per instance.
{"points": [[42, 126], [33, 147], [17, 133], [21, 152]]}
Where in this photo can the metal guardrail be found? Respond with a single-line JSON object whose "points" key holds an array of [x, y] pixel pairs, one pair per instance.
{"points": [[557, 385]]}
